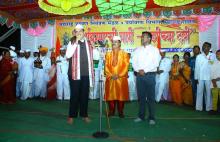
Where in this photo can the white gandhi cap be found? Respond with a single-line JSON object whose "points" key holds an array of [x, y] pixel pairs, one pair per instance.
{"points": [[115, 38], [79, 27], [162, 50], [27, 50], [63, 48], [12, 48]]}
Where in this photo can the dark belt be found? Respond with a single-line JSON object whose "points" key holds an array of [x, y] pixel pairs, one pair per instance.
{"points": [[150, 73]]}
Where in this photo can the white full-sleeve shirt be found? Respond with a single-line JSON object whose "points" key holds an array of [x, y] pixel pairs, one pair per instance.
{"points": [[62, 66], [203, 66], [165, 65], [215, 72], [146, 58], [26, 69], [71, 48]]}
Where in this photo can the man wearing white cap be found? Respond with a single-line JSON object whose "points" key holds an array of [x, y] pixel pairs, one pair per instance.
{"points": [[26, 75], [13, 53], [18, 81], [35, 70], [162, 77], [116, 84], [81, 75], [36, 53], [63, 86]]}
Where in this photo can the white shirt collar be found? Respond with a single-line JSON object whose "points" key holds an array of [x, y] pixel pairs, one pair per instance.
{"points": [[83, 39]]}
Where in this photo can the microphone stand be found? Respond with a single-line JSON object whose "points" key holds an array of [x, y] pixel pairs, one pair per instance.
{"points": [[100, 134]]}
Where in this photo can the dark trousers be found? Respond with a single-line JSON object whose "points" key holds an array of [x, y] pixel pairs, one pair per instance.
{"points": [[79, 96], [112, 105], [146, 90]]}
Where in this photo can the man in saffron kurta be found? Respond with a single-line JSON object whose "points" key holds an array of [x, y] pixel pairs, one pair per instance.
{"points": [[116, 71]]}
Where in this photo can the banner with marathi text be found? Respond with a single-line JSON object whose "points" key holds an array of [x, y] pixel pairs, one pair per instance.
{"points": [[171, 34]]}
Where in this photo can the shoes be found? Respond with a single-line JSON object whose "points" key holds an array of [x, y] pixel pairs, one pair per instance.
{"points": [[121, 115], [152, 122], [137, 120], [109, 114], [86, 119], [70, 120], [212, 112]]}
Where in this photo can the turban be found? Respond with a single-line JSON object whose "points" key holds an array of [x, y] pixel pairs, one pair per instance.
{"points": [[79, 27], [45, 49], [115, 38]]}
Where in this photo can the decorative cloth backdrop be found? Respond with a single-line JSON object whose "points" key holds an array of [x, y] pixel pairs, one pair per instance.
{"points": [[209, 29], [32, 39]]}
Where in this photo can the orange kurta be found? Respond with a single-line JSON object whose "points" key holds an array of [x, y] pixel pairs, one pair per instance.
{"points": [[116, 89], [186, 86], [175, 84]]}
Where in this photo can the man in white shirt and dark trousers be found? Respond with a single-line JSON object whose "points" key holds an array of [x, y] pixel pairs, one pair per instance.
{"points": [[202, 75], [145, 62], [63, 87]]}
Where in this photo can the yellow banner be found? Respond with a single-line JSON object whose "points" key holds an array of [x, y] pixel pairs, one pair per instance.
{"points": [[173, 34]]}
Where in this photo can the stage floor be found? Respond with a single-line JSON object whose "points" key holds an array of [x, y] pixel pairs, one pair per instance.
{"points": [[45, 121]]}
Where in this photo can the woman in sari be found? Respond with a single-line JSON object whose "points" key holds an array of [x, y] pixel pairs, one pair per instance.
{"points": [[7, 79], [186, 86], [175, 83]]}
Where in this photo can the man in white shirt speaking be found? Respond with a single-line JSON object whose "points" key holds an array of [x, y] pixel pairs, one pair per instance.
{"points": [[145, 62]]}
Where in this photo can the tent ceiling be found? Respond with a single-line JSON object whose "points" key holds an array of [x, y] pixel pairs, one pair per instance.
{"points": [[28, 10]]}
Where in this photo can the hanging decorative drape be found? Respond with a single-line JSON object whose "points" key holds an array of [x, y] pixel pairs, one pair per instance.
{"points": [[172, 3], [205, 22], [9, 22], [218, 32], [36, 31], [65, 7], [120, 7]]}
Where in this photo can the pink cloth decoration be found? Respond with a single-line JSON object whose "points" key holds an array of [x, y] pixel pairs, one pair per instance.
{"points": [[37, 31], [205, 22], [218, 32]]}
